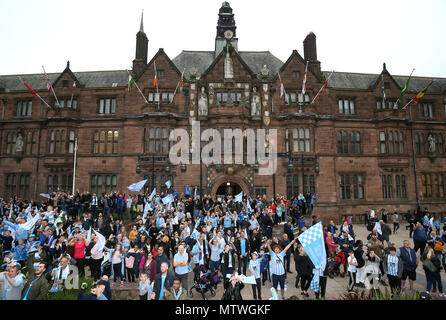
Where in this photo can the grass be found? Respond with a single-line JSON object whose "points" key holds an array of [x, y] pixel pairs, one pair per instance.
{"points": [[386, 295], [70, 294]]}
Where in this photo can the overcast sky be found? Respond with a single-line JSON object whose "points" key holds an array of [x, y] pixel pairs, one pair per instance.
{"points": [[354, 36]]}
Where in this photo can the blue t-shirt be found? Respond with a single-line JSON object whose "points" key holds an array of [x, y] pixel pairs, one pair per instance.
{"points": [[242, 246], [227, 222]]}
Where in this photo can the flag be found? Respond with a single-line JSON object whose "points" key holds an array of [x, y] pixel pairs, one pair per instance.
{"points": [[182, 77], [152, 194], [420, 95], [383, 91], [73, 87], [282, 90], [48, 82], [30, 89], [101, 240], [45, 195], [239, 197], [187, 191], [313, 242], [130, 84], [249, 205], [403, 92], [168, 184], [89, 235], [167, 200], [304, 83], [322, 88], [137, 186]]}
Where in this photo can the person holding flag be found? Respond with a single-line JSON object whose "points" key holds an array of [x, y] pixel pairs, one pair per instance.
{"points": [[277, 265]]}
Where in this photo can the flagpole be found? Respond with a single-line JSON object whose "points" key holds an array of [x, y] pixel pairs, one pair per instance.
{"points": [[74, 165], [383, 93], [37, 95], [404, 90], [284, 91], [137, 87], [322, 88], [175, 91], [156, 76], [57, 101]]}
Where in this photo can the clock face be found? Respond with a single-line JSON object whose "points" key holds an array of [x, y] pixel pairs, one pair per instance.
{"points": [[228, 34]]}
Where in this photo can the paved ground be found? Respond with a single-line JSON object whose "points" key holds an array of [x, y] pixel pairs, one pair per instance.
{"points": [[336, 286]]}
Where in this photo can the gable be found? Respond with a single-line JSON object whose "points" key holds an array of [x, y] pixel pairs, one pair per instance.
{"points": [[296, 63], [67, 78], [170, 77], [216, 71], [390, 84]]}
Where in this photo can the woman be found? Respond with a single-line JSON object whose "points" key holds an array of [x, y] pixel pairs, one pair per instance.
{"points": [[79, 252], [360, 268], [432, 267], [150, 267], [13, 282], [233, 288], [216, 248], [372, 262], [304, 268], [352, 265], [117, 257], [96, 258]]}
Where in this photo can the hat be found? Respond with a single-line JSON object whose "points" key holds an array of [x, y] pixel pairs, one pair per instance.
{"points": [[32, 236], [254, 253]]}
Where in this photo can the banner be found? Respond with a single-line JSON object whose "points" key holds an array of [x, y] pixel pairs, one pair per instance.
{"points": [[137, 186]]}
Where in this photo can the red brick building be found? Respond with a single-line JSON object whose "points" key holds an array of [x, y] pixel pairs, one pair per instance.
{"points": [[352, 150]]}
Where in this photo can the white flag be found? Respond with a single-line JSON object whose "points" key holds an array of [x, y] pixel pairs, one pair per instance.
{"points": [[152, 194], [45, 195], [137, 186], [239, 197], [168, 184], [101, 240]]}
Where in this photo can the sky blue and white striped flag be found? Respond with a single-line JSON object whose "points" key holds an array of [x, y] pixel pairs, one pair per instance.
{"points": [[168, 184], [152, 194], [312, 241], [45, 195], [168, 199], [249, 205], [89, 235], [137, 186], [239, 197]]}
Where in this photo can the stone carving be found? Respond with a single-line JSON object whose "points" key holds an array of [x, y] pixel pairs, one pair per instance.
{"points": [[431, 141], [203, 103], [255, 103], [19, 143], [229, 69]]}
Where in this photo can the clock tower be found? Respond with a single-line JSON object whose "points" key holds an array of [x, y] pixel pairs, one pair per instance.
{"points": [[225, 22]]}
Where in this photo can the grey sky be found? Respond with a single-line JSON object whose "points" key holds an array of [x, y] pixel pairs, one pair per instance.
{"points": [[354, 36]]}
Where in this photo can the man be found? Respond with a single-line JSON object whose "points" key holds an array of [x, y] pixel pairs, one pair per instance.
{"points": [[376, 245], [60, 274], [385, 231], [37, 286], [393, 267], [180, 263], [410, 263], [176, 292], [13, 282], [283, 243], [94, 205], [96, 293], [242, 246], [277, 265], [162, 283], [419, 238], [160, 258]]}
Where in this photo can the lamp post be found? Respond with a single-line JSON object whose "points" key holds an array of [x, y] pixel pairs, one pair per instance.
{"points": [[413, 156]]}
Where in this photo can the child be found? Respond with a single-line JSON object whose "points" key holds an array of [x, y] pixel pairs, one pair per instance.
{"points": [[20, 253], [264, 258], [352, 264], [254, 268], [145, 290], [117, 257]]}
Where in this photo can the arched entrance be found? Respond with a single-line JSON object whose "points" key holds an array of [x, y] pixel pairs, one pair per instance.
{"points": [[229, 185]]}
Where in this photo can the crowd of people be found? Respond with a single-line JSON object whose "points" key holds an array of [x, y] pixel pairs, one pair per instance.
{"points": [[168, 246]]}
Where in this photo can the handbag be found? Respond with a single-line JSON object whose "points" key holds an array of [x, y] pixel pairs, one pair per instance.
{"points": [[429, 265]]}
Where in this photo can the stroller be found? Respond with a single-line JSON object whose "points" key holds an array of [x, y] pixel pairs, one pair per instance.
{"points": [[204, 281]]}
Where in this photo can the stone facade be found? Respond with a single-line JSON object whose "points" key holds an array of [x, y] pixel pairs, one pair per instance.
{"points": [[122, 158]]}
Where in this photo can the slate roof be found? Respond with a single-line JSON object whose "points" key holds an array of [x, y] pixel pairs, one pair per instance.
{"points": [[90, 79], [203, 59], [365, 81]]}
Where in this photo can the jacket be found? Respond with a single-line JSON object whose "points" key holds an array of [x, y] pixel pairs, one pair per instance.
{"points": [[239, 248], [233, 292], [419, 235], [409, 258], [13, 292], [167, 283], [371, 266], [171, 296], [38, 290], [358, 252], [304, 266]]}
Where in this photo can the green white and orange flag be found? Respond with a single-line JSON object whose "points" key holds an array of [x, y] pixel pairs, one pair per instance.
{"points": [[130, 84]]}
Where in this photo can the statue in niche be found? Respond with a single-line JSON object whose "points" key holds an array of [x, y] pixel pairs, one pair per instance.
{"points": [[255, 103], [431, 141], [19, 143], [203, 103], [229, 69]]}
